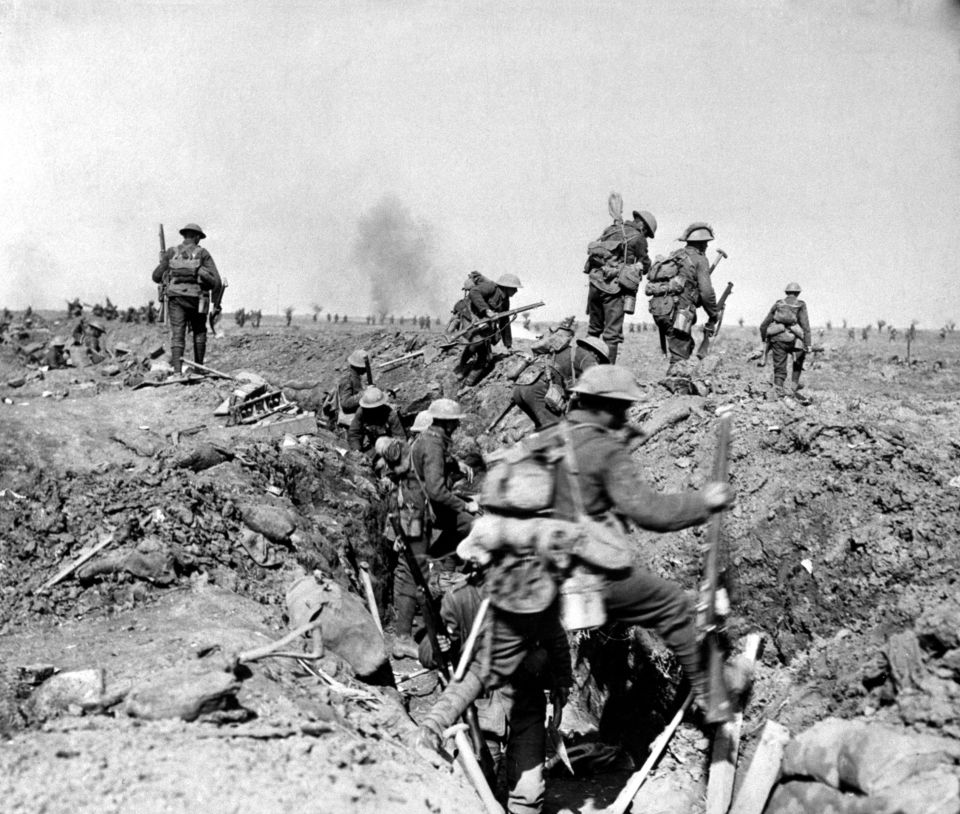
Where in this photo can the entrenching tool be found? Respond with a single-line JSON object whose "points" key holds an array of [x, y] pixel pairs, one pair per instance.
{"points": [[708, 332], [495, 423], [472, 769], [162, 287], [635, 781], [216, 373], [720, 255], [710, 622]]}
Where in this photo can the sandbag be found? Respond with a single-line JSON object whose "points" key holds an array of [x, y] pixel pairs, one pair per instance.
{"points": [[273, 522], [797, 797], [67, 692], [184, 691]]}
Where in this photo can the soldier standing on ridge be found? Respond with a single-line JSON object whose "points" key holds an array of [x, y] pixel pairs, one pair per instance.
{"points": [[487, 299], [191, 276], [787, 328], [623, 243], [677, 286]]}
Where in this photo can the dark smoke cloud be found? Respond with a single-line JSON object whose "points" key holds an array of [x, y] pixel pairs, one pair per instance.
{"points": [[397, 253]]}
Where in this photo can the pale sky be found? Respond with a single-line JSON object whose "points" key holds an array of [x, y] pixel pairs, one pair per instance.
{"points": [[820, 138]]}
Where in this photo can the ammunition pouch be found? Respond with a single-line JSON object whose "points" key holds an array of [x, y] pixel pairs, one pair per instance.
{"points": [[555, 399]]}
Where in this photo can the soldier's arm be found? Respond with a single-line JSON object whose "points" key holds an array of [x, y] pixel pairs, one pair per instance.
{"points": [[355, 434], [396, 428], [162, 268], [479, 295], [349, 396], [650, 510], [766, 323], [435, 484], [208, 273], [708, 297], [804, 321]]}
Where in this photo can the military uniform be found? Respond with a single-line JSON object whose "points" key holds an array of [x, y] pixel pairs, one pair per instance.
{"points": [[609, 482], [787, 336], [513, 716], [190, 275], [54, 358], [349, 391], [485, 298], [369, 424], [620, 243], [561, 369], [697, 293]]}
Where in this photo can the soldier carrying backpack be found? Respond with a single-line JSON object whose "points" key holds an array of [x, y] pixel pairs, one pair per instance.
{"points": [[787, 329], [677, 286]]}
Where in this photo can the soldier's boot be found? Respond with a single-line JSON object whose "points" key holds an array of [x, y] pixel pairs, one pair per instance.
{"points": [[612, 353], [199, 348], [176, 359], [778, 388], [403, 643], [795, 378]]}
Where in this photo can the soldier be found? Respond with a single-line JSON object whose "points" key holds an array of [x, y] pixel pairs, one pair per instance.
{"points": [[110, 311], [92, 332], [682, 284], [544, 397], [346, 398], [257, 316], [435, 466], [374, 419], [240, 317], [608, 485], [288, 315], [487, 299], [787, 329], [151, 313], [190, 276], [623, 243], [54, 358], [512, 717]]}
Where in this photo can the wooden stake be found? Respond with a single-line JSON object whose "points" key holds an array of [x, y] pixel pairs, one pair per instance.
{"points": [[635, 781], [66, 571], [764, 770], [371, 599], [471, 640], [726, 746]]}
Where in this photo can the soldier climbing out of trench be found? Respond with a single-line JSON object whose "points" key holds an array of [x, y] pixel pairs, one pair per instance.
{"points": [[375, 418], [787, 329], [487, 299], [189, 275], [597, 481]]}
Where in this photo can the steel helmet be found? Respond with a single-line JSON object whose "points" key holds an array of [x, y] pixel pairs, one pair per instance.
{"points": [[595, 344], [509, 281], [608, 382], [422, 421], [58, 342], [358, 358], [792, 288], [97, 325], [698, 230], [192, 227], [648, 219], [373, 397], [445, 410]]}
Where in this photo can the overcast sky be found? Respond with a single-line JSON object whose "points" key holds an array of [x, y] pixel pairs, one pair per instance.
{"points": [[820, 138]]}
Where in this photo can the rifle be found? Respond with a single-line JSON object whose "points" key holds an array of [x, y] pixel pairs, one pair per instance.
{"points": [[663, 339], [366, 364], [162, 287], [480, 322], [718, 698], [434, 624], [766, 353], [506, 411], [216, 302], [708, 332]]}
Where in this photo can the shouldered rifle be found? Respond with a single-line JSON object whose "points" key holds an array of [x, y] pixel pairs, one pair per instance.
{"points": [[709, 332], [718, 698], [485, 320], [433, 621], [162, 287], [366, 364]]}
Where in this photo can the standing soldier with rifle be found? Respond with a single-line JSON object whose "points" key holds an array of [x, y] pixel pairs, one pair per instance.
{"points": [[487, 300], [787, 330], [677, 286], [615, 264], [189, 275], [603, 484]]}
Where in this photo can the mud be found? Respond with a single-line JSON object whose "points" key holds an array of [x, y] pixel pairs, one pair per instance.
{"points": [[841, 542]]}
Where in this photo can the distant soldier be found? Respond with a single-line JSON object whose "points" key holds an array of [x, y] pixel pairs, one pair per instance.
{"points": [[74, 308], [288, 314], [110, 311], [191, 276], [487, 299], [256, 316], [544, 393], [92, 331], [151, 313], [619, 253], [375, 418], [240, 317], [678, 285], [97, 310], [787, 328], [54, 358]]}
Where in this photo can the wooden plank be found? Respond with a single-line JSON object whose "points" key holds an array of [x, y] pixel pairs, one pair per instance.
{"points": [[64, 572], [726, 747], [764, 770]]}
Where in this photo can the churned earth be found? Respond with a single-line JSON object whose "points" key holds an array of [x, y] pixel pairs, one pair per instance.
{"points": [[841, 550]]}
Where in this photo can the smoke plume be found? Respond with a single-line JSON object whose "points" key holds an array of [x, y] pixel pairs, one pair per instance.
{"points": [[397, 254]]}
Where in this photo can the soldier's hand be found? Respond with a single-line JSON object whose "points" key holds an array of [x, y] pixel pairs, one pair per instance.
{"points": [[466, 470], [558, 700], [718, 495], [806, 349], [471, 507], [491, 313], [444, 643]]}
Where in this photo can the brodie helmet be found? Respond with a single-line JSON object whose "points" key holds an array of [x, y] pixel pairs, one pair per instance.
{"points": [[608, 382]]}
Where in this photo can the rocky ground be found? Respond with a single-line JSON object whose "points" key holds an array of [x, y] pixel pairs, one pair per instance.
{"points": [[841, 552]]}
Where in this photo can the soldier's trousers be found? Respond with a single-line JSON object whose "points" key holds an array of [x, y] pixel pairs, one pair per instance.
{"points": [[530, 399], [781, 351], [523, 750], [183, 311], [640, 598], [405, 587], [605, 312]]}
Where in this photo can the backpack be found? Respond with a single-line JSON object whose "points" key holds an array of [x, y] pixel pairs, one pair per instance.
{"points": [[666, 280], [785, 313]]}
